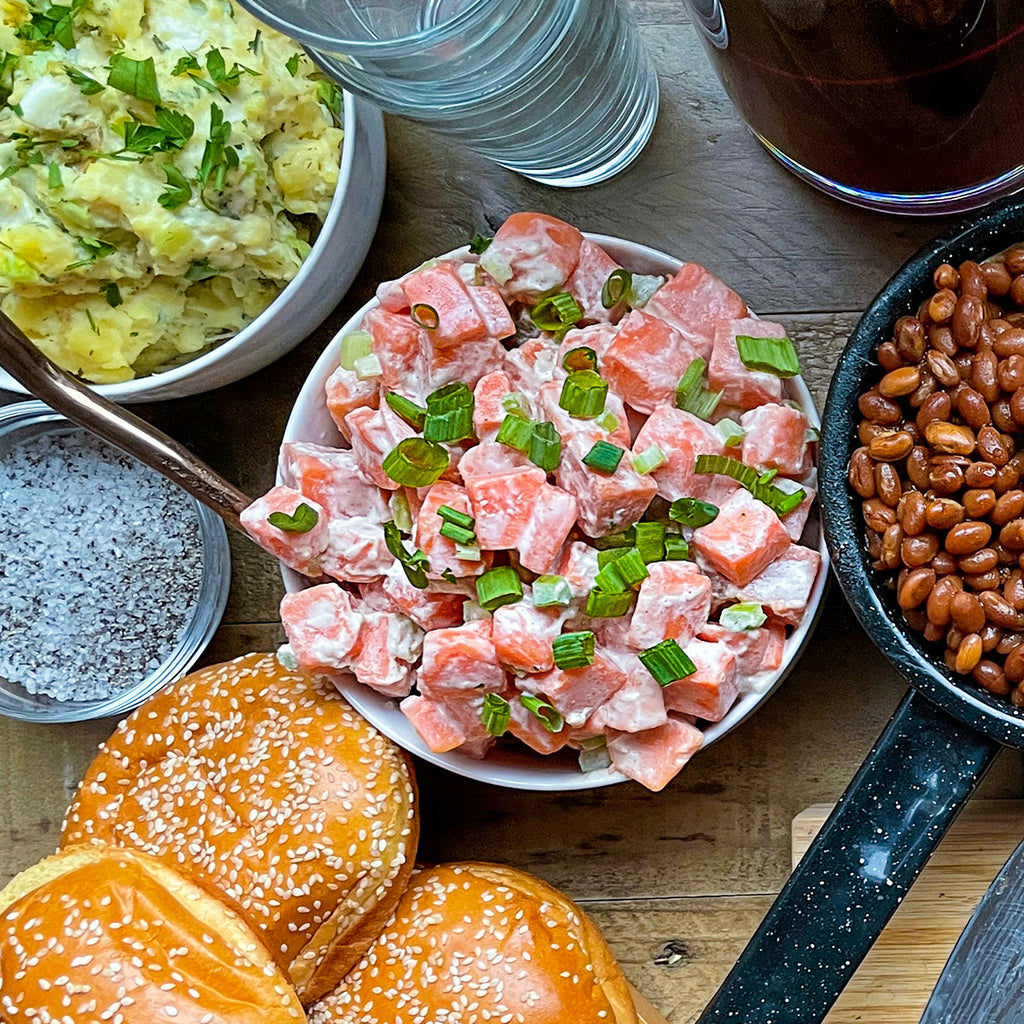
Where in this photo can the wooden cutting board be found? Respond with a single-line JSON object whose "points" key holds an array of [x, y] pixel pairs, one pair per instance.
{"points": [[895, 980]]}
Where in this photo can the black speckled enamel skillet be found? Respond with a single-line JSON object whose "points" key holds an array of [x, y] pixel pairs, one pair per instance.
{"points": [[935, 749]]}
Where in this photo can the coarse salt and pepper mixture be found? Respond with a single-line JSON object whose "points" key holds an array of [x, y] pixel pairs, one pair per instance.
{"points": [[100, 567]]}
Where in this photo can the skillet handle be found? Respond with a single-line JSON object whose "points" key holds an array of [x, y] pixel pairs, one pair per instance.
{"points": [[913, 784]]}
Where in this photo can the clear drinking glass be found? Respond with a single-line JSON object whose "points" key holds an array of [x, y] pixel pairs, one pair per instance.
{"points": [[559, 90]]}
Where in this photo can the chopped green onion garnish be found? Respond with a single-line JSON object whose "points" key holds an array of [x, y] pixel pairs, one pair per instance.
{"points": [[399, 505], [549, 591], [739, 618], [355, 345], [702, 403], [616, 288], [730, 432], [453, 515], [367, 367], [676, 548], [583, 394], [609, 421], [449, 577], [53, 175], [456, 395], [302, 520], [648, 460], [610, 555], [580, 358], [457, 533], [812, 435], [759, 485], [548, 716], [692, 512], [692, 380], [413, 563], [409, 411], [770, 355], [556, 313], [112, 294], [594, 755], [545, 448], [609, 581], [479, 244], [604, 457], [449, 414], [495, 714], [498, 587], [424, 316], [650, 541], [415, 462], [626, 539], [601, 605], [517, 403], [467, 552], [515, 432], [630, 568], [667, 662], [574, 650], [643, 288]]}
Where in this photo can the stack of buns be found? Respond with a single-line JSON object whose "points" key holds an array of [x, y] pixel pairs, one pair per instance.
{"points": [[243, 846]]}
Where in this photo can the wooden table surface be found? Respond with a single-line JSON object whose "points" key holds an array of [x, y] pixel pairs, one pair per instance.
{"points": [[677, 880]]}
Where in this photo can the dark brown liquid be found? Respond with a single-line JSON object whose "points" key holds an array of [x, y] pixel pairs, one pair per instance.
{"points": [[895, 96]]}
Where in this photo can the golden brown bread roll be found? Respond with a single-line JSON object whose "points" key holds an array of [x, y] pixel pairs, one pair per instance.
{"points": [[473, 943], [97, 933], [263, 785]]}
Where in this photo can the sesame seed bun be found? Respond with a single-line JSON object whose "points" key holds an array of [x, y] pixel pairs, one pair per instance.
{"points": [[264, 786], [97, 933], [470, 943]]}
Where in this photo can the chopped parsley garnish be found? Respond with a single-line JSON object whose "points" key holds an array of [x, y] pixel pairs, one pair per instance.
{"points": [[54, 25], [292, 64], [92, 321], [112, 294], [95, 248], [188, 65], [253, 45], [54, 179], [8, 62], [178, 191], [479, 243], [302, 520], [134, 77], [200, 270], [171, 131], [331, 97], [218, 69], [89, 86], [218, 156]]}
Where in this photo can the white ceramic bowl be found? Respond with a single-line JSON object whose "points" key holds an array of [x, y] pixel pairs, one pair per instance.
{"points": [[515, 766], [316, 289]]}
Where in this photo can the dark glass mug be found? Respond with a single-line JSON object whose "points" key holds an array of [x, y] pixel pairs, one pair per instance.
{"points": [[910, 106]]}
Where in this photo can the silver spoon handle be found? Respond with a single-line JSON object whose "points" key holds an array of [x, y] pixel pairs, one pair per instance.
{"points": [[80, 404]]}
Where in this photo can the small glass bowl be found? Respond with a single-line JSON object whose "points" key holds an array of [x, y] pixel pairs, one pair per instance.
{"points": [[25, 420]]}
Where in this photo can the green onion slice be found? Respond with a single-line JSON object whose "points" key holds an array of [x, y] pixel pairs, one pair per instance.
{"points": [[609, 581], [467, 552], [459, 534], [604, 457], [650, 541], [609, 421], [367, 367], [545, 713], [355, 345], [738, 618], [610, 555], [498, 587], [759, 485], [702, 403], [583, 394], [580, 358], [690, 381], [616, 288], [495, 714], [423, 315], [769, 355], [667, 662], [594, 755], [631, 568], [302, 520], [626, 539], [551, 591], [692, 512], [449, 414], [415, 462], [676, 548], [730, 432], [479, 243], [453, 515], [515, 432], [601, 605], [556, 313], [649, 460], [399, 505], [574, 650], [449, 577], [408, 410], [517, 403], [545, 447], [414, 563]]}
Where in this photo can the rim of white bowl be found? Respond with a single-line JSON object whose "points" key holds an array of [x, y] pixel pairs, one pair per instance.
{"points": [[128, 390], [523, 769]]}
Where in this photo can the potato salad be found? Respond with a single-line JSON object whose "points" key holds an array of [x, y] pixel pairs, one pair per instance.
{"points": [[164, 166]]}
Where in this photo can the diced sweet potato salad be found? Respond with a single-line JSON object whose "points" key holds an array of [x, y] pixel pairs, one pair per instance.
{"points": [[571, 509]]}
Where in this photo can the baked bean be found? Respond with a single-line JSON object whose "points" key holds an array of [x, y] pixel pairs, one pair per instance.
{"points": [[910, 339], [972, 280], [917, 551], [1009, 343], [888, 355], [999, 611], [862, 473], [978, 502], [968, 654], [983, 560], [1017, 290], [972, 408], [966, 538], [949, 657], [1009, 506], [946, 276], [943, 513], [984, 375], [964, 363], [1007, 477], [1011, 536], [943, 368], [915, 619], [990, 637], [948, 437], [1013, 590], [997, 277], [1008, 642], [895, 445], [928, 386], [878, 515], [968, 314], [892, 540], [1003, 418], [918, 464], [887, 483], [940, 600], [980, 474], [1014, 664], [878, 409], [868, 430], [945, 477], [1013, 259], [1006, 558], [1010, 373], [944, 564], [954, 638], [967, 612], [941, 305], [989, 675], [983, 580], [933, 633], [937, 406], [900, 382], [874, 542], [992, 446], [916, 588], [992, 311], [940, 337]]}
